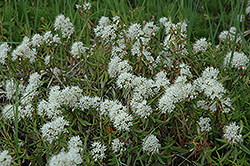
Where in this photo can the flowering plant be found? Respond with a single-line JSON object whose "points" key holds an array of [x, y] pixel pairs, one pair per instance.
{"points": [[139, 94]]}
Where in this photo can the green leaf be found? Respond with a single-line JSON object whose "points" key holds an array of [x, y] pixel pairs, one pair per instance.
{"points": [[84, 122], [244, 148], [179, 149], [223, 146], [227, 154], [160, 159]]}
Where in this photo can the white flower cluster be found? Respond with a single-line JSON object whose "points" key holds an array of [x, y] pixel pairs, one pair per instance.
{"points": [[175, 93], [98, 151], [119, 48], [209, 84], [151, 144], [52, 130], [24, 50], [64, 25], [232, 133], [52, 108], [204, 124], [11, 88], [229, 36], [141, 37], [37, 40], [30, 91], [106, 30], [121, 119], [85, 6], [175, 41], [72, 96], [117, 145], [77, 49], [139, 106], [25, 109], [72, 157], [4, 49], [142, 89], [117, 66], [213, 89], [201, 45], [5, 159], [239, 60], [117, 113], [27, 49]]}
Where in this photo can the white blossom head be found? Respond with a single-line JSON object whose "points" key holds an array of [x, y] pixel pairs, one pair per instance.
{"points": [[201, 45], [52, 130], [117, 145], [64, 25], [5, 159], [4, 49], [232, 133], [151, 144], [98, 151], [204, 124], [239, 60]]}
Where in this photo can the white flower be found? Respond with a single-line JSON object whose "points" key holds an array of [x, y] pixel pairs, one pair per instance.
{"points": [[117, 145], [52, 130], [239, 60], [37, 40], [75, 144], [47, 59], [210, 72], [247, 10], [86, 6], [202, 104], [122, 121], [176, 93], [98, 151], [57, 71], [232, 133], [150, 29], [86, 102], [119, 50], [5, 159], [204, 124], [11, 87], [64, 25], [140, 107], [4, 49], [201, 45], [8, 111], [209, 85], [161, 80], [229, 36], [224, 104], [49, 39], [24, 51], [134, 31], [77, 49], [151, 144], [117, 66], [30, 90], [185, 70], [23, 112], [71, 158], [106, 106], [56, 39], [125, 80], [105, 30]]}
